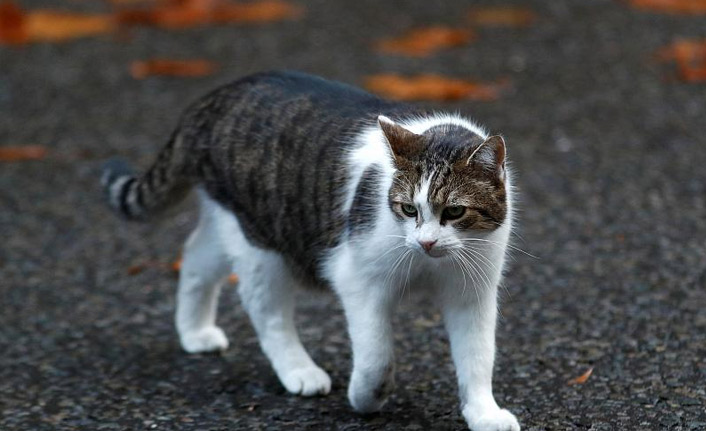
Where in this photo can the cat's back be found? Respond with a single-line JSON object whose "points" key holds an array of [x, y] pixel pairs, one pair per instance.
{"points": [[274, 153]]}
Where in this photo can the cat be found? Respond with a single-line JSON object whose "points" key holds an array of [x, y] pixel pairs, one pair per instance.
{"points": [[304, 182]]}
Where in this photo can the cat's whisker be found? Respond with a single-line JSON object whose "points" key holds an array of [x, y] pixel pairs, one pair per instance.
{"points": [[471, 272], [387, 280], [388, 251], [479, 269], [500, 245], [482, 256], [481, 250], [409, 269], [393, 269], [454, 259]]}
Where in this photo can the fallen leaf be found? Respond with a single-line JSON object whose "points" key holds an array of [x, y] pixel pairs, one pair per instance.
{"points": [[582, 378], [136, 269], [27, 152], [134, 2], [191, 13], [694, 7], [12, 25], [17, 27], [425, 41], [176, 265], [689, 57], [431, 87], [60, 26], [165, 67], [502, 16], [233, 278]]}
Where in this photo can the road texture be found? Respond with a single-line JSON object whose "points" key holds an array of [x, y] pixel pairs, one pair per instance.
{"points": [[610, 161]]}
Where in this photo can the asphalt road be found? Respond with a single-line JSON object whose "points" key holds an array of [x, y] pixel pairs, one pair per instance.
{"points": [[610, 159]]}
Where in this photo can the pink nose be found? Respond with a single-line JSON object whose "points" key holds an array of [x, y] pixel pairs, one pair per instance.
{"points": [[427, 245]]}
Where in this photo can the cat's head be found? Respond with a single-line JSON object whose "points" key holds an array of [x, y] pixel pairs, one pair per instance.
{"points": [[449, 185]]}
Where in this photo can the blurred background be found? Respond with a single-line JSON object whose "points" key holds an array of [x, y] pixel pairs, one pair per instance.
{"points": [[602, 104]]}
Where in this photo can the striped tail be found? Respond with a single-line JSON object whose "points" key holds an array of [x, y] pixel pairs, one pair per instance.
{"points": [[165, 184]]}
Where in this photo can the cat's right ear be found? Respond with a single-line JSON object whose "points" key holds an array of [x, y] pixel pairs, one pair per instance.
{"points": [[403, 143]]}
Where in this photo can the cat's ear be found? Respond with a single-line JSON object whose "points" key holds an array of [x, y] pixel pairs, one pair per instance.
{"points": [[403, 143], [490, 154]]}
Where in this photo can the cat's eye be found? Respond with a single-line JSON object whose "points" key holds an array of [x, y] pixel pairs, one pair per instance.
{"points": [[409, 210], [453, 212]]}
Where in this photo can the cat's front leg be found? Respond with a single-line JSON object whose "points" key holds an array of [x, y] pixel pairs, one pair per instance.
{"points": [[471, 326], [368, 312]]}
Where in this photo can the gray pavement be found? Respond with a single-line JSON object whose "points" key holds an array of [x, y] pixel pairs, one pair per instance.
{"points": [[610, 162]]}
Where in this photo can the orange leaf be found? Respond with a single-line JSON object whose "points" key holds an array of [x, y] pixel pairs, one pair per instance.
{"points": [[28, 152], [431, 87], [18, 27], [54, 26], [190, 13], [425, 41], [176, 265], [581, 379], [693, 7], [262, 11], [233, 278], [502, 16], [165, 67], [690, 58], [12, 24]]}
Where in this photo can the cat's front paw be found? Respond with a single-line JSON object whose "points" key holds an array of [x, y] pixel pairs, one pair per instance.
{"points": [[307, 381], [369, 397], [208, 339], [494, 420]]}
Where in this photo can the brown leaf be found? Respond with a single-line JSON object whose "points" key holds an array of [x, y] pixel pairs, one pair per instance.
{"points": [[692, 7], [27, 152], [191, 13], [136, 269], [176, 265], [502, 16], [431, 87], [17, 27], [12, 24], [581, 379], [689, 57], [425, 41], [178, 68], [233, 278]]}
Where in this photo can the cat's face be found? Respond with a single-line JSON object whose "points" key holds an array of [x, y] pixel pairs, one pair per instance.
{"points": [[449, 186]]}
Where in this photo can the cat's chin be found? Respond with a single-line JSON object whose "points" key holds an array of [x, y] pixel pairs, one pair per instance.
{"points": [[435, 253]]}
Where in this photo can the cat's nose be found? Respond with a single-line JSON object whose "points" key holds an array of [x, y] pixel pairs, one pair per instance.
{"points": [[427, 245]]}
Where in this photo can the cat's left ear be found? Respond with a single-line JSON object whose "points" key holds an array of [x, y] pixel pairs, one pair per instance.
{"points": [[491, 154]]}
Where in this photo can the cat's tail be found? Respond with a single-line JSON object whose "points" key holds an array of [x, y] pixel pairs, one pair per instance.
{"points": [[166, 183]]}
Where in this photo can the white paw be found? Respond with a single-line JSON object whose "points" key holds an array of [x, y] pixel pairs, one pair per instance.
{"points": [[368, 396], [495, 420], [208, 339], [307, 381]]}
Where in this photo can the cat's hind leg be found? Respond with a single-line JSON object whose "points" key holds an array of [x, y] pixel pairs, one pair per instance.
{"points": [[204, 268], [267, 289]]}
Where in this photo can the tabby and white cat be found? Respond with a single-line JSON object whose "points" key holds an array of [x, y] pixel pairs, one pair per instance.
{"points": [[305, 182]]}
